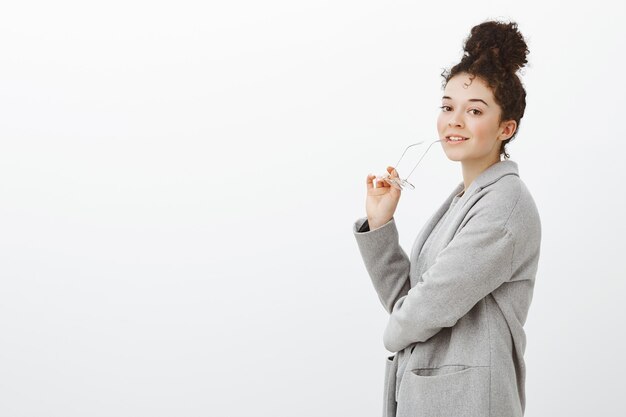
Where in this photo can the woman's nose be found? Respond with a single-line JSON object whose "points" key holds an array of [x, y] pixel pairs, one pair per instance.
{"points": [[453, 122]]}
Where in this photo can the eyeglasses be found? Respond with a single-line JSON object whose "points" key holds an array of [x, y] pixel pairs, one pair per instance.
{"points": [[398, 182]]}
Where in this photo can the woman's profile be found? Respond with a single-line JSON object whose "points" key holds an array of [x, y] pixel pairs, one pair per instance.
{"points": [[458, 303]]}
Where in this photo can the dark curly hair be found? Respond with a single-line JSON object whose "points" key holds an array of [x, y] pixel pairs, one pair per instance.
{"points": [[495, 51]]}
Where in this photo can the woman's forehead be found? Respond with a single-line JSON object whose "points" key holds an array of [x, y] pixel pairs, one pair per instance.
{"points": [[462, 86]]}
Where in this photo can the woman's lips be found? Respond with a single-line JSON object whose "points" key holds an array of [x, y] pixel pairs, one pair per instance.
{"points": [[448, 140]]}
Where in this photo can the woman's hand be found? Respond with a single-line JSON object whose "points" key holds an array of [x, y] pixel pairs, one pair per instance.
{"points": [[381, 201]]}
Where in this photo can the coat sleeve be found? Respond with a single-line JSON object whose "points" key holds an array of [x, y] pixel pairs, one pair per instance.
{"points": [[475, 262], [385, 261]]}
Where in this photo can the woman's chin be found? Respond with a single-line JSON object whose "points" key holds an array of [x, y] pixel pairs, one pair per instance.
{"points": [[454, 156]]}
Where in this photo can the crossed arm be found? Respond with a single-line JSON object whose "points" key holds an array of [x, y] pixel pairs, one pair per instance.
{"points": [[476, 262]]}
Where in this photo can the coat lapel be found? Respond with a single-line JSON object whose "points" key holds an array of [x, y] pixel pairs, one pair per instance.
{"points": [[432, 222], [487, 177]]}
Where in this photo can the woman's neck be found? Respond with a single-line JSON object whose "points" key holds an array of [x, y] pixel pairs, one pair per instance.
{"points": [[472, 169]]}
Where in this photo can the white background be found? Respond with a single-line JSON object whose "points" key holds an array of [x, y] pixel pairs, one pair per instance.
{"points": [[179, 181]]}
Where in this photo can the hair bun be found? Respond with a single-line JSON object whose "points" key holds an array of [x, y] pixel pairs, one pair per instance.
{"points": [[499, 43]]}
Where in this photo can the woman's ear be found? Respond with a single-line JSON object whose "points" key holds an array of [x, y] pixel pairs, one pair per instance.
{"points": [[507, 129]]}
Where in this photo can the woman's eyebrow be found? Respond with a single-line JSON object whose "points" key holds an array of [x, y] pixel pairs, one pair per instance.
{"points": [[471, 99]]}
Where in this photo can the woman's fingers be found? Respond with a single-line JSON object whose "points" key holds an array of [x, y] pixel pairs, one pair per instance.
{"points": [[380, 183], [392, 171], [371, 178]]}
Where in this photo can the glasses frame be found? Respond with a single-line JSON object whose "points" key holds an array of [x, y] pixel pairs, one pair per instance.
{"points": [[400, 183]]}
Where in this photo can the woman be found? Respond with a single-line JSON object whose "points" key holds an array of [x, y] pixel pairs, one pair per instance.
{"points": [[458, 304]]}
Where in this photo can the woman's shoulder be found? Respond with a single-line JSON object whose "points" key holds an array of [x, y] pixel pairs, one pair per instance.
{"points": [[509, 203]]}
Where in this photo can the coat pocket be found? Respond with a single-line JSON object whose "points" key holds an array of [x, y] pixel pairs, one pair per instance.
{"points": [[389, 391], [446, 391]]}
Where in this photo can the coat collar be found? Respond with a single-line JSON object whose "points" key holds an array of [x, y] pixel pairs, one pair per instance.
{"points": [[484, 179], [492, 174]]}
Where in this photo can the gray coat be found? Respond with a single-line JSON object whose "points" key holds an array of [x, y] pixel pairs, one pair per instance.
{"points": [[458, 304]]}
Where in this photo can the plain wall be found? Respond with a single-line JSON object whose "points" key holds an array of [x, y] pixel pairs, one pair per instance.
{"points": [[179, 180]]}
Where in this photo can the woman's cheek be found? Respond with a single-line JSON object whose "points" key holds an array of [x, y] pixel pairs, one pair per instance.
{"points": [[440, 125], [477, 130]]}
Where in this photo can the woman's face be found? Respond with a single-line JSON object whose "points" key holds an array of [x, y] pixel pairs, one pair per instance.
{"points": [[473, 114]]}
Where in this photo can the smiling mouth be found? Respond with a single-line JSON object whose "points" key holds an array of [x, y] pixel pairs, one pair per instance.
{"points": [[456, 139]]}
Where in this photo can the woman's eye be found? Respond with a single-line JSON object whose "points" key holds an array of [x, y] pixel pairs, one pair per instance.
{"points": [[447, 108]]}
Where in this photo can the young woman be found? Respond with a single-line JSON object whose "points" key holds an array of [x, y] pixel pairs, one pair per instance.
{"points": [[458, 304]]}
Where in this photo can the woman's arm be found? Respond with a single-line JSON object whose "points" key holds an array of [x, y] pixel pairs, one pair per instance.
{"points": [[476, 262], [386, 262]]}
